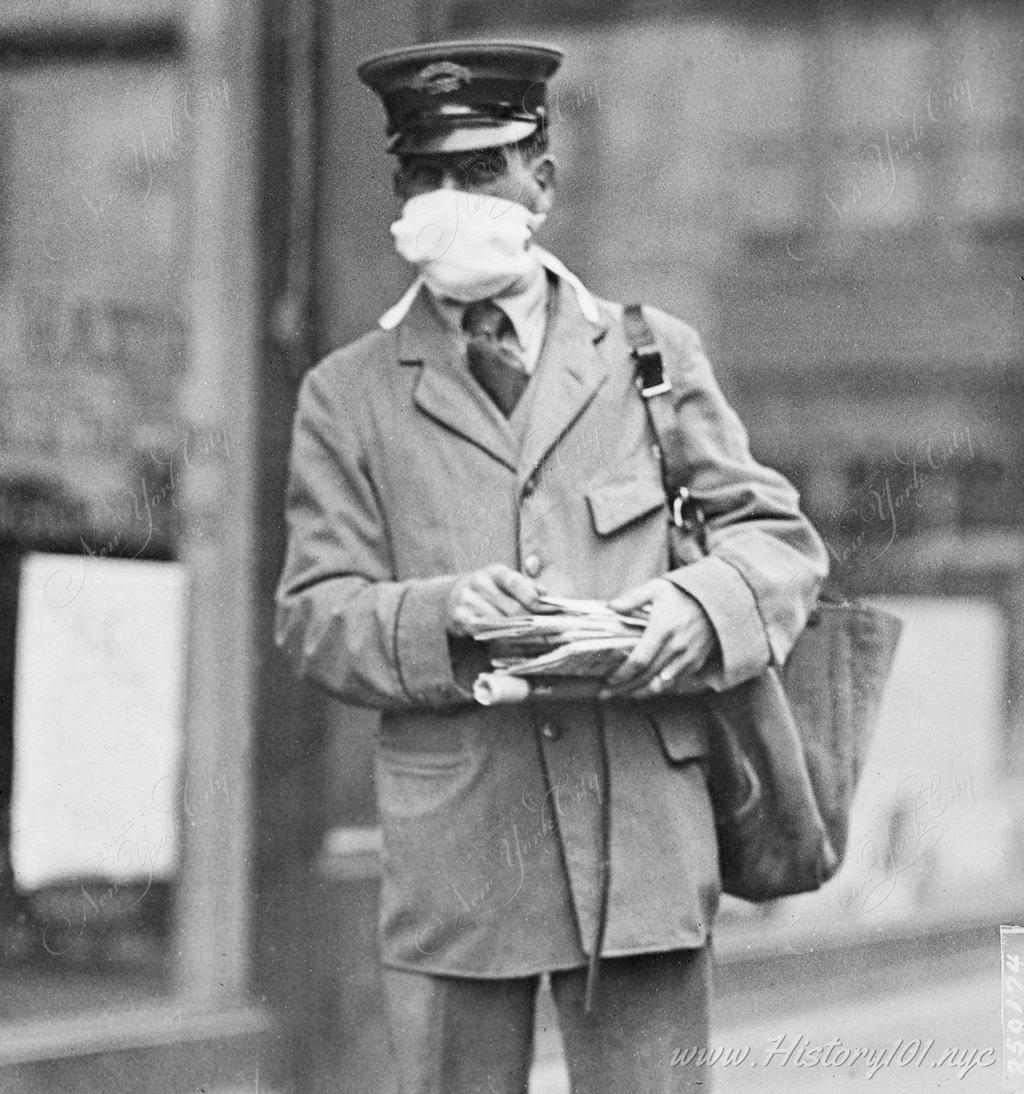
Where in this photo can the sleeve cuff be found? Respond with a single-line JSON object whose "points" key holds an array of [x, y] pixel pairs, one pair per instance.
{"points": [[421, 643], [732, 609]]}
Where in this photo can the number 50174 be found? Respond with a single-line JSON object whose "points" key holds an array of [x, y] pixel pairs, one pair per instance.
{"points": [[1011, 942]]}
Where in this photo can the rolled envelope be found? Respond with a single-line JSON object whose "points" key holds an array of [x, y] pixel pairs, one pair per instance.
{"points": [[493, 688]]}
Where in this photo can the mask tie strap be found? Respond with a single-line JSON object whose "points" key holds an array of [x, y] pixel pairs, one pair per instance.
{"points": [[397, 312]]}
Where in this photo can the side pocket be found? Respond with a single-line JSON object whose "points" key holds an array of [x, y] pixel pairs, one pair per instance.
{"points": [[422, 763], [415, 785], [682, 727]]}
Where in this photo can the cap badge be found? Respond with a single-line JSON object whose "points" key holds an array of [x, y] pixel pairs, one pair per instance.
{"points": [[442, 78]]}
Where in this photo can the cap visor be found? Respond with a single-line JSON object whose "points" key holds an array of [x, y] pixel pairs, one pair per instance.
{"points": [[461, 139]]}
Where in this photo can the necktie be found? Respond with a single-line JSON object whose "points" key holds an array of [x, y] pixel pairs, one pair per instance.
{"points": [[495, 368]]}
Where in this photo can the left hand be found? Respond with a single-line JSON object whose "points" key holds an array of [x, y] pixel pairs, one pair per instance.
{"points": [[675, 645]]}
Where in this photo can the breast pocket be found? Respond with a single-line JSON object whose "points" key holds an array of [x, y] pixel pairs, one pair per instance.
{"points": [[616, 504], [629, 521]]}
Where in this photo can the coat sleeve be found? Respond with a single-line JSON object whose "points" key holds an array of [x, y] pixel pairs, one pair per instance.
{"points": [[342, 620], [765, 564]]}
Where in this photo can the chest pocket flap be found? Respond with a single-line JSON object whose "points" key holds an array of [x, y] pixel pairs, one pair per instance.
{"points": [[615, 504]]}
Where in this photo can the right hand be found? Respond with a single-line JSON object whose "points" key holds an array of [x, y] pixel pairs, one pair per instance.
{"points": [[495, 592]]}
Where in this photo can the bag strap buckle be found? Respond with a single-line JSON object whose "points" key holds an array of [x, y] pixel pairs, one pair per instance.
{"points": [[688, 516], [650, 372], [650, 369], [679, 505]]}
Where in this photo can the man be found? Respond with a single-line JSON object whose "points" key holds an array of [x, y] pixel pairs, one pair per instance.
{"points": [[484, 446]]}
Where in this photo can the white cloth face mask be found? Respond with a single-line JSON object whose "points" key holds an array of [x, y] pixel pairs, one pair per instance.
{"points": [[468, 246]]}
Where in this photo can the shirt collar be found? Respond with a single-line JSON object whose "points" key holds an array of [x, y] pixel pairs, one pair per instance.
{"points": [[519, 316], [526, 309]]}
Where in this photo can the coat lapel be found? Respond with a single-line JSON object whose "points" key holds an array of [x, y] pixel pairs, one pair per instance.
{"points": [[446, 391], [569, 373]]}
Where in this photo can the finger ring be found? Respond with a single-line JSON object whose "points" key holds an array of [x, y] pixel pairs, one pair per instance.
{"points": [[664, 678]]}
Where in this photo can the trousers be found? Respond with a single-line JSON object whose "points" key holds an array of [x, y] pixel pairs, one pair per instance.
{"points": [[453, 1035]]}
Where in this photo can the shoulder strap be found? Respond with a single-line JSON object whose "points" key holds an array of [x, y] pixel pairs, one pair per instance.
{"points": [[656, 389]]}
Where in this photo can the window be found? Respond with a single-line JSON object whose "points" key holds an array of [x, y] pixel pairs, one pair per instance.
{"points": [[93, 446]]}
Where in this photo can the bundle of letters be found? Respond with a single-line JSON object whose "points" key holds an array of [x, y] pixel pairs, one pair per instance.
{"points": [[563, 654]]}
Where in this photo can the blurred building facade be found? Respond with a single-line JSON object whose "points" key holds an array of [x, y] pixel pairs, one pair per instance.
{"points": [[191, 197]]}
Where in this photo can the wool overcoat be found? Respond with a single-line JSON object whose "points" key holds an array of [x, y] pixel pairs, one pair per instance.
{"points": [[403, 476]]}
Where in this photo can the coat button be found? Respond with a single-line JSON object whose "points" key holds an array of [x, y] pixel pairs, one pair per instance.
{"points": [[532, 566], [529, 487], [550, 732]]}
